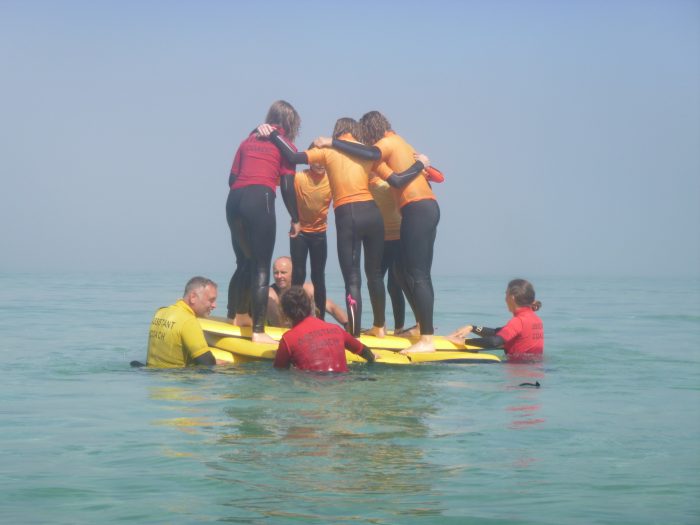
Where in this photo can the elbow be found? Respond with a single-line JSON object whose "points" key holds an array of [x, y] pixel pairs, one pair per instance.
{"points": [[394, 181]]}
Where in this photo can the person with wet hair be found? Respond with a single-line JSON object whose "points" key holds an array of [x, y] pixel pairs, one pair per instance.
{"points": [[257, 168], [312, 344], [522, 337]]}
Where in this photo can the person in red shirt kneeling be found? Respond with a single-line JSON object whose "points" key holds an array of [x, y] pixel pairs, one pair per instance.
{"points": [[313, 344], [522, 337]]}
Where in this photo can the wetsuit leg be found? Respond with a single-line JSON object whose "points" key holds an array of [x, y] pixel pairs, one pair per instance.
{"points": [[398, 303], [238, 289], [255, 226], [400, 277], [349, 252], [298, 251], [372, 228], [419, 222], [318, 253]]}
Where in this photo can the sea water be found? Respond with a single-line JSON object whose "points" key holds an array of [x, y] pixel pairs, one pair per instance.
{"points": [[611, 436]]}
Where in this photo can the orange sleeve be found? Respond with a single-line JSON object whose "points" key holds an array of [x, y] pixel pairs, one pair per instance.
{"points": [[383, 170], [316, 156]]}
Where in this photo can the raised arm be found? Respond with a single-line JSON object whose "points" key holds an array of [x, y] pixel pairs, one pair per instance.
{"points": [[356, 149], [291, 156]]}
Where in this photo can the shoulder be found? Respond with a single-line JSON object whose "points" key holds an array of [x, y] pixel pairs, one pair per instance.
{"points": [[318, 154]]}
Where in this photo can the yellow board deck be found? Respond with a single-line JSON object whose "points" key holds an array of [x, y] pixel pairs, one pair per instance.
{"points": [[219, 326], [235, 341]]}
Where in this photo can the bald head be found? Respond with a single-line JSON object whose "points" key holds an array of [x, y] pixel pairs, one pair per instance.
{"points": [[282, 272]]}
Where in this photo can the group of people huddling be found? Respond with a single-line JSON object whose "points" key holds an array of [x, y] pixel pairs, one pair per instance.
{"points": [[383, 204]]}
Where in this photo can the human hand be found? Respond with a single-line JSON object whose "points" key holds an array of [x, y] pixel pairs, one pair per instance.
{"points": [[264, 130], [423, 159], [462, 332], [294, 230], [323, 142]]}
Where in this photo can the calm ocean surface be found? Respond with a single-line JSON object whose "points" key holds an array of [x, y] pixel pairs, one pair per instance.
{"points": [[612, 437]]}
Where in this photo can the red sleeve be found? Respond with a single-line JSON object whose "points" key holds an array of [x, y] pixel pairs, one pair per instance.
{"points": [[282, 357], [352, 344], [511, 330]]}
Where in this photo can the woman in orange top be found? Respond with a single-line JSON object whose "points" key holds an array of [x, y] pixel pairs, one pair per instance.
{"points": [[313, 199], [420, 215], [358, 220]]}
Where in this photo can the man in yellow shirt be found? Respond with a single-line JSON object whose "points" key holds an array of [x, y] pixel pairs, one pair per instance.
{"points": [[176, 340]]}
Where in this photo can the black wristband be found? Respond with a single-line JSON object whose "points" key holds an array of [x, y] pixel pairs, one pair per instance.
{"points": [[367, 354]]}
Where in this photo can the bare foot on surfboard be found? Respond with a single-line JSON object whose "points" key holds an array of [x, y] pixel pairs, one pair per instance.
{"points": [[376, 331], [262, 337], [424, 345]]}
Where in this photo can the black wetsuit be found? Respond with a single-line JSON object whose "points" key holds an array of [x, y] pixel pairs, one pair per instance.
{"points": [[360, 225], [315, 246], [419, 222], [250, 213], [391, 265]]}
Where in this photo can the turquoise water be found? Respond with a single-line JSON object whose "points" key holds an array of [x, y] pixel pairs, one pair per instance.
{"points": [[611, 437]]}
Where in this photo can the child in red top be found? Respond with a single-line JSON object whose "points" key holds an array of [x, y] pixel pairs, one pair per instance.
{"points": [[313, 344], [522, 337]]}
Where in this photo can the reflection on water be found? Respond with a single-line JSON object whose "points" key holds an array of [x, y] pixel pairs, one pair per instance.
{"points": [[289, 444], [325, 442], [524, 377]]}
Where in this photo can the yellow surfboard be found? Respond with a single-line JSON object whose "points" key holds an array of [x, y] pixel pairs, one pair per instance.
{"points": [[219, 326], [242, 350]]}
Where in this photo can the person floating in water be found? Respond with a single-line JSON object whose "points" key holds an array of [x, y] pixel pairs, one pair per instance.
{"points": [[312, 344], [522, 337]]}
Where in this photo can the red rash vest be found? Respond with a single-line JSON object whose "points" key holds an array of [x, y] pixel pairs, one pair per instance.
{"points": [[316, 345], [523, 336], [258, 161]]}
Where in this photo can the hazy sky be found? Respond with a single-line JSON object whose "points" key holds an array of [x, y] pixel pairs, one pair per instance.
{"points": [[569, 131]]}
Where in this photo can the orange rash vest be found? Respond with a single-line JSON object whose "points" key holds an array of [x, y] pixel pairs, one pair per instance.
{"points": [[313, 199], [397, 156], [348, 176]]}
